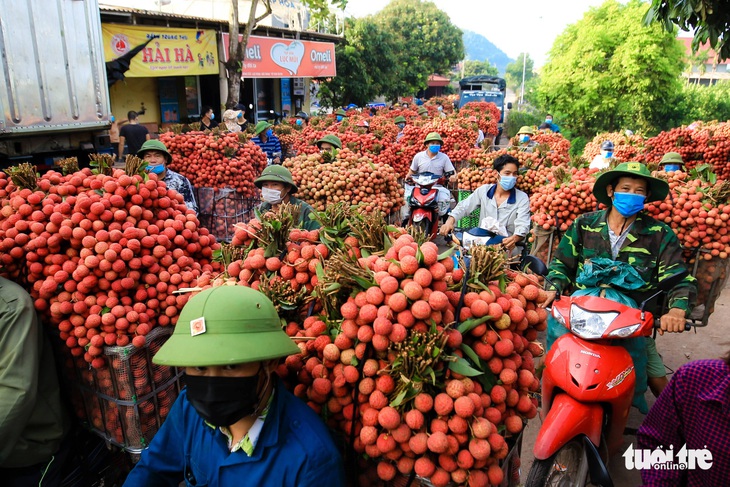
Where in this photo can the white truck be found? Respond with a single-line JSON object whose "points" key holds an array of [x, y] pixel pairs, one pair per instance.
{"points": [[54, 98]]}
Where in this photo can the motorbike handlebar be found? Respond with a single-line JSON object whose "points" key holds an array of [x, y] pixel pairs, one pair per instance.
{"points": [[687, 325]]}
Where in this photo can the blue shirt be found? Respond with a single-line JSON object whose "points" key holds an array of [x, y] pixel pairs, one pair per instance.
{"points": [[294, 449], [271, 146]]}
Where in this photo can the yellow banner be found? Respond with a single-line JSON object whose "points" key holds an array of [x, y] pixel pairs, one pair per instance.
{"points": [[169, 52]]}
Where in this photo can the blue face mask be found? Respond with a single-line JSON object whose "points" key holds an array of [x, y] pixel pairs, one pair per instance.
{"points": [[524, 138], [507, 182], [339, 118], [628, 204], [401, 126], [671, 167], [607, 154], [212, 116], [156, 169], [434, 148], [269, 133], [549, 121], [299, 121], [111, 119]]}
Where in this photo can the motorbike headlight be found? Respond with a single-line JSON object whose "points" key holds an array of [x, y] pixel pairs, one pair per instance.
{"points": [[590, 325], [558, 317], [625, 331]]}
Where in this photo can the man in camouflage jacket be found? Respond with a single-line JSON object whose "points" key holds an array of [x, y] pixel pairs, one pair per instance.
{"points": [[626, 234]]}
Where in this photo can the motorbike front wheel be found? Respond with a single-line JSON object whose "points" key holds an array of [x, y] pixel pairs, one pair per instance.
{"points": [[567, 467], [423, 225]]}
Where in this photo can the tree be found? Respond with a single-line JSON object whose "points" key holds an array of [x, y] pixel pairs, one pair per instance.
{"points": [[610, 71], [513, 72], [365, 63], [708, 19], [236, 47], [476, 68], [699, 60], [427, 43]]}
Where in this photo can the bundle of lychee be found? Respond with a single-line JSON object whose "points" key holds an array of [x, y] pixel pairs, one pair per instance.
{"points": [[487, 115], [101, 254], [535, 167], [567, 195], [324, 179], [555, 141], [626, 147], [408, 386], [216, 160]]}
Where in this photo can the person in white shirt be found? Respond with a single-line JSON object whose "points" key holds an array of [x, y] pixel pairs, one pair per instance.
{"points": [[480, 134], [605, 158], [500, 202], [436, 162]]}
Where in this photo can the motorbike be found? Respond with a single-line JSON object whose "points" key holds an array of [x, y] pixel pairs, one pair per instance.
{"points": [[588, 387], [423, 202]]}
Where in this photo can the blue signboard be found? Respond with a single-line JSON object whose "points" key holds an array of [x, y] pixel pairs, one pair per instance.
{"points": [[286, 95]]}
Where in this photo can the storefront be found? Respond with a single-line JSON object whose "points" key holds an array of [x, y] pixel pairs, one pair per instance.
{"points": [[172, 72]]}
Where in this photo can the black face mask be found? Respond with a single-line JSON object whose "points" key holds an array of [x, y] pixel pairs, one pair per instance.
{"points": [[222, 401]]}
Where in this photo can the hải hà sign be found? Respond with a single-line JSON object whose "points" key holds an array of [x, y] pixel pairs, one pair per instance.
{"points": [[268, 57], [169, 52]]}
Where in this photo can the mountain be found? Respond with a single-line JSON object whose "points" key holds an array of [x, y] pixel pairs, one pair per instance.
{"points": [[478, 48]]}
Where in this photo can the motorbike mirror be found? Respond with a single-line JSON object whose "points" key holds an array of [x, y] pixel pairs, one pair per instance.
{"points": [[534, 264]]}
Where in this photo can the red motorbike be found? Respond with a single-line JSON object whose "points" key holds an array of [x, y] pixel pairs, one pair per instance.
{"points": [[587, 389], [423, 202]]}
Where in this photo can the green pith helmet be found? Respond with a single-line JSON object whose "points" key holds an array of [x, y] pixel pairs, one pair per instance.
{"points": [[433, 136], [226, 325], [525, 129], [658, 188], [671, 158], [422, 111], [154, 144], [340, 111], [330, 139], [261, 126], [277, 174], [400, 119]]}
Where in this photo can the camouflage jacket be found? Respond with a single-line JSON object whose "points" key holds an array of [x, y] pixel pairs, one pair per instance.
{"points": [[651, 247]]}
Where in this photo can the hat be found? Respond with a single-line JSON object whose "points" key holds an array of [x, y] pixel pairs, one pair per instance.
{"points": [[473, 118], [433, 136], [671, 158], [154, 144], [607, 145], [330, 139], [261, 126], [226, 325], [658, 189], [525, 129], [276, 174], [341, 112], [400, 119], [231, 114], [302, 115], [363, 123], [240, 106], [422, 110]]}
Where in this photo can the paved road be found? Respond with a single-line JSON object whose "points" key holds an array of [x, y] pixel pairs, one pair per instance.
{"points": [[710, 342]]}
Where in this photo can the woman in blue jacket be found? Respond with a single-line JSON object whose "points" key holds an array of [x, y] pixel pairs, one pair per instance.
{"points": [[235, 424]]}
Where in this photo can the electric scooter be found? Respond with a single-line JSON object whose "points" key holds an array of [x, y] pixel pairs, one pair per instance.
{"points": [[423, 202], [587, 388]]}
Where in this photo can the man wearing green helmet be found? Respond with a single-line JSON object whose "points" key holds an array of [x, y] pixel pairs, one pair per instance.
{"points": [[268, 142], [277, 187], [340, 115], [671, 161], [433, 161], [400, 122], [235, 423], [624, 233], [157, 157], [329, 143]]}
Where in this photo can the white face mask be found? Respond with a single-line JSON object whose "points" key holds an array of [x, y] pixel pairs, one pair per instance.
{"points": [[270, 195]]}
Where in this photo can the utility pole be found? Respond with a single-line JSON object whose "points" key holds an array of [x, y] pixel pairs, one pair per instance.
{"points": [[524, 65]]}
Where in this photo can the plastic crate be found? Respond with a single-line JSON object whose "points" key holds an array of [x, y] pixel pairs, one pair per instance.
{"points": [[220, 209], [122, 403], [470, 221]]}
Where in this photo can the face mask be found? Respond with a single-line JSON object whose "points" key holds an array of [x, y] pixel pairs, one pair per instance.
{"points": [[548, 120], [401, 126], [222, 401], [434, 148], [212, 116], [159, 169], [270, 195], [299, 121], [628, 204], [524, 138], [441, 109], [671, 167], [507, 182], [607, 154], [111, 119], [339, 118]]}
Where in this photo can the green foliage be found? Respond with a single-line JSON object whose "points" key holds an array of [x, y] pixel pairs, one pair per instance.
{"points": [[513, 73], [609, 71], [518, 118], [577, 146], [426, 42], [364, 65], [697, 102], [475, 68], [708, 19]]}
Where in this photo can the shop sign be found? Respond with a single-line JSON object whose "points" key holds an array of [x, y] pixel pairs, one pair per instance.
{"points": [[170, 52], [271, 57]]}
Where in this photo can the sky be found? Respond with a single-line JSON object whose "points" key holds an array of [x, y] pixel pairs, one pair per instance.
{"points": [[514, 26]]}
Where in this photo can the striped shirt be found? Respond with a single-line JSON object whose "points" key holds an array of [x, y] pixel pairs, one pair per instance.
{"points": [[270, 147]]}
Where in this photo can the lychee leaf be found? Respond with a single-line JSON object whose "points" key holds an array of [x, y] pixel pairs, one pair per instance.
{"points": [[399, 398], [470, 353], [487, 380], [446, 253], [462, 367], [471, 323]]}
